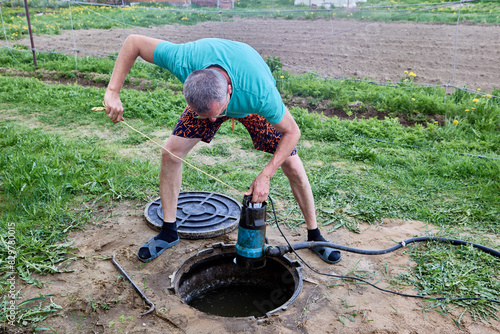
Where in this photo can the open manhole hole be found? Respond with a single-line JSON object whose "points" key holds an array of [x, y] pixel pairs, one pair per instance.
{"points": [[212, 283], [200, 214]]}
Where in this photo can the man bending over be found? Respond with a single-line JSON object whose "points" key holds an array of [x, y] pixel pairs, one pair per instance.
{"points": [[222, 80]]}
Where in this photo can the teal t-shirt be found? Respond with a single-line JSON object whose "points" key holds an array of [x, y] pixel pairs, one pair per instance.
{"points": [[254, 88]]}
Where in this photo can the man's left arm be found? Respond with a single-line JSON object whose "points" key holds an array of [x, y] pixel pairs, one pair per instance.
{"points": [[290, 134]]}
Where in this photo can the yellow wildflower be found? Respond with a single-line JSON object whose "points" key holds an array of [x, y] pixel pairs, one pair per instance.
{"points": [[455, 122], [411, 74], [412, 99], [475, 100], [488, 96]]}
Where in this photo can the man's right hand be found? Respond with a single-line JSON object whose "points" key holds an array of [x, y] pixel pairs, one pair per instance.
{"points": [[134, 46], [114, 107]]}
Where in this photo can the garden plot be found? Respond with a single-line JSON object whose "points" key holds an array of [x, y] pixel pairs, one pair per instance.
{"points": [[374, 50]]}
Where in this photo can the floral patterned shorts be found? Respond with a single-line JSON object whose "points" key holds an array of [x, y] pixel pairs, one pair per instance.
{"points": [[264, 136]]}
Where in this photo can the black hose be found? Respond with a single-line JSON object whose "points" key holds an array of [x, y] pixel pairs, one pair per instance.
{"points": [[288, 248], [310, 244]]}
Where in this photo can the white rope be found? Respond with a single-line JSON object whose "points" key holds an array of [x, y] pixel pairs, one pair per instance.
{"points": [[176, 156]]}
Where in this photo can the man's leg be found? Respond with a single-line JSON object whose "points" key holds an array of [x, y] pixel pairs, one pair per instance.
{"points": [[301, 189], [266, 138], [170, 185], [171, 173]]}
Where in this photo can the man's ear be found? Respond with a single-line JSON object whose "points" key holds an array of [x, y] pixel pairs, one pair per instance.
{"points": [[229, 89]]}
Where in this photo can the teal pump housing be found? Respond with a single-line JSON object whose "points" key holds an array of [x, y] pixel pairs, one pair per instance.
{"points": [[251, 244]]}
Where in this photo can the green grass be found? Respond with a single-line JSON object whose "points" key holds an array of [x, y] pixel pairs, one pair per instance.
{"points": [[44, 177], [48, 175]]}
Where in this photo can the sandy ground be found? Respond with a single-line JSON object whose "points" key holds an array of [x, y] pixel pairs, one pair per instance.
{"points": [[375, 50], [342, 308], [466, 55]]}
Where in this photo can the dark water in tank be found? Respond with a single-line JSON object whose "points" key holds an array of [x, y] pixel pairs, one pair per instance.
{"points": [[238, 301]]}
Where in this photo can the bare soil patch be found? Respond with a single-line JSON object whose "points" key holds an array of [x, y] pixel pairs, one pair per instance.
{"points": [[358, 49]]}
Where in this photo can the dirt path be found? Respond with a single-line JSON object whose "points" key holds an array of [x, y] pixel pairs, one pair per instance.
{"points": [[375, 50]]}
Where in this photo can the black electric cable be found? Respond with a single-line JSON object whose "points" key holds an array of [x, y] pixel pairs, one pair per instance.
{"points": [[369, 252]]}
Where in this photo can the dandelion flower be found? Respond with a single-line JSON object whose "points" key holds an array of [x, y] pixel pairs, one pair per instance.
{"points": [[412, 99], [406, 72], [282, 77], [475, 100], [467, 110], [478, 89], [455, 122], [488, 96], [411, 74]]}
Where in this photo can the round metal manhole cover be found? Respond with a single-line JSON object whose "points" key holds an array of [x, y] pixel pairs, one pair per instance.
{"points": [[200, 214]]}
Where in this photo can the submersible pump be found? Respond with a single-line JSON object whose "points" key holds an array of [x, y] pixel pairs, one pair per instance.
{"points": [[251, 244]]}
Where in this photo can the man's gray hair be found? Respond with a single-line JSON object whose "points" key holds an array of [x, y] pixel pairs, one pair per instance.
{"points": [[204, 87]]}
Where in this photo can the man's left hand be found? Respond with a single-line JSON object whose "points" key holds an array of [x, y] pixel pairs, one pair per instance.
{"points": [[259, 189]]}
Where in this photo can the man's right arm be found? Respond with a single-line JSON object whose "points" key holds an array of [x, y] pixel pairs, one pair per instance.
{"points": [[134, 46]]}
